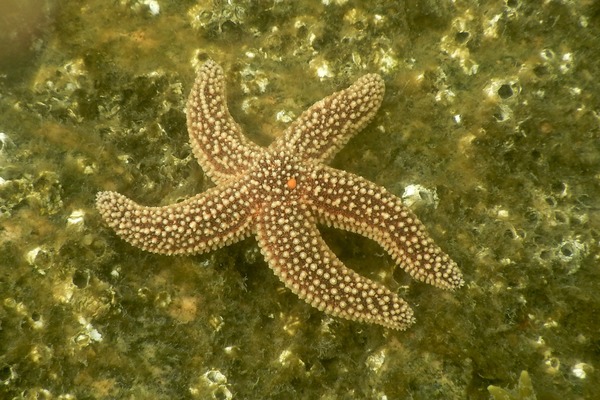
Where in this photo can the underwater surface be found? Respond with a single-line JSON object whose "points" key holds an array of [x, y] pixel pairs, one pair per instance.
{"points": [[489, 129]]}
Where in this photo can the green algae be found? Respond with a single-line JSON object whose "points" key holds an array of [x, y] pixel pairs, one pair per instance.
{"points": [[523, 391]]}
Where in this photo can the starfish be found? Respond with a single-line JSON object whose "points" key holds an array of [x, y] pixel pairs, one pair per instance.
{"points": [[279, 194]]}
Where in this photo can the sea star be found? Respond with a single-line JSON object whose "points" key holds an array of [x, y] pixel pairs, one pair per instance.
{"points": [[279, 194]]}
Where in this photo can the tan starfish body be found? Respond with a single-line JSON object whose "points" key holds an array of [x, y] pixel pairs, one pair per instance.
{"points": [[279, 194]]}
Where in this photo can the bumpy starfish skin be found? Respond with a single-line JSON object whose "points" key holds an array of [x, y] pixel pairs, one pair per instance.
{"points": [[279, 194]]}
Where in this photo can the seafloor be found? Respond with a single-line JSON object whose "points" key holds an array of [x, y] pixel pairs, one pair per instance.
{"points": [[493, 110]]}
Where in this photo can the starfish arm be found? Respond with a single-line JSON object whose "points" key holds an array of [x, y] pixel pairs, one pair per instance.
{"points": [[295, 251], [216, 139], [210, 220], [352, 203], [327, 125]]}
